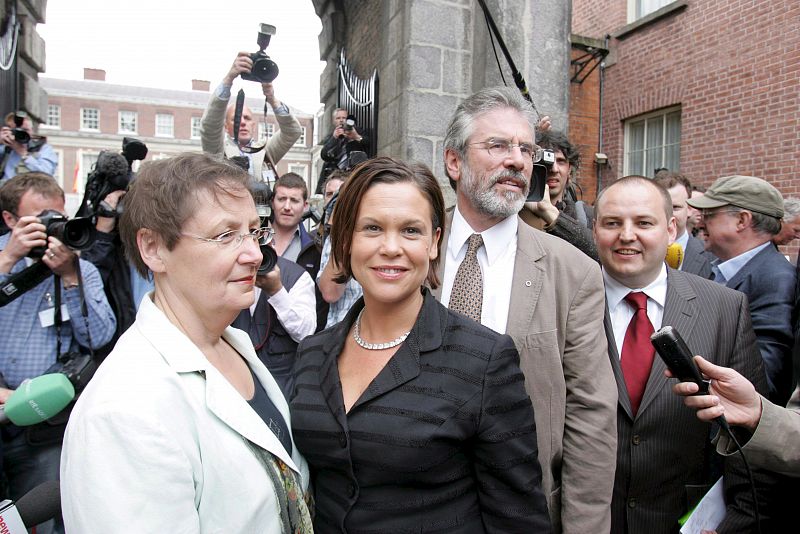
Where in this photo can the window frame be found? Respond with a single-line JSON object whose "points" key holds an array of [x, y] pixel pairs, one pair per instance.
{"points": [[301, 141], [83, 127], [46, 124], [645, 117], [135, 130], [192, 127], [172, 125]]}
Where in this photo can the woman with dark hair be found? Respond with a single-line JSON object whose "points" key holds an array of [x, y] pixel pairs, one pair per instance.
{"points": [[183, 429], [413, 418]]}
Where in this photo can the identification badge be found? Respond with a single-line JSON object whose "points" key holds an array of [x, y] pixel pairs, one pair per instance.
{"points": [[48, 317]]}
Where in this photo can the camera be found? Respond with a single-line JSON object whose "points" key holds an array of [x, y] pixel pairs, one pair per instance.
{"points": [[349, 123], [264, 69], [541, 169], [77, 234], [111, 172], [269, 258], [21, 135]]}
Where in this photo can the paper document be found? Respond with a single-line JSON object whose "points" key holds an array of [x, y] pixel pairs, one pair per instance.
{"points": [[708, 513]]}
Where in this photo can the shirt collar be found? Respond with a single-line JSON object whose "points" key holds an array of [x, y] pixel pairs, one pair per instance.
{"points": [[496, 239], [655, 290], [683, 240], [732, 266]]}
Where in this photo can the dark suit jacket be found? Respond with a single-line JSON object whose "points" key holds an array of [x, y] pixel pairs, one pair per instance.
{"points": [[768, 280], [664, 453], [443, 439], [696, 259]]}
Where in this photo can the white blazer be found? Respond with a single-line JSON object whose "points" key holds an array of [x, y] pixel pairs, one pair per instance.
{"points": [[156, 442]]}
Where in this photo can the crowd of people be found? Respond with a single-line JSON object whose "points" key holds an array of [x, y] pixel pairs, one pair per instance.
{"points": [[402, 367]]}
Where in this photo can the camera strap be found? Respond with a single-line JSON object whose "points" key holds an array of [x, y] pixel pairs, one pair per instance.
{"points": [[58, 320]]}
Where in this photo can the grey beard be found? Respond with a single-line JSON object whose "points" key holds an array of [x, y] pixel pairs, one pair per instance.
{"points": [[490, 202]]}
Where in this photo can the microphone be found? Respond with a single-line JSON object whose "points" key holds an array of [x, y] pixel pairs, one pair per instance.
{"points": [[37, 399], [40, 504], [674, 255]]}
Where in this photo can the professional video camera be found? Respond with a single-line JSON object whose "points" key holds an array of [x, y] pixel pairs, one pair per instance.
{"points": [[264, 69], [111, 172]]}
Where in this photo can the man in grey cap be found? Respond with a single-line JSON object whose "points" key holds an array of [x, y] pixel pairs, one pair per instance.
{"points": [[741, 215]]}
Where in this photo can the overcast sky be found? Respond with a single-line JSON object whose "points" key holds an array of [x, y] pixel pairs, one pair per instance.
{"points": [[167, 43]]}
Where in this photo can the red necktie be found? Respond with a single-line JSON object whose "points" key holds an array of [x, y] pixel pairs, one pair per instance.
{"points": [[637, 351]]}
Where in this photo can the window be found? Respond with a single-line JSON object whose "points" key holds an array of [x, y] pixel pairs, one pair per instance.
{"points": [[165, 125], [53, 116], [127, 122], [196, 127], [90, 119], [640, 8], [301, 141], [653, 141], [265, 131], [299, 170]]}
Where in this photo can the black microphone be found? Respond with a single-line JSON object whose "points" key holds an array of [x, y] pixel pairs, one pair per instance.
{"points": [[676, 355], [40, 504]]}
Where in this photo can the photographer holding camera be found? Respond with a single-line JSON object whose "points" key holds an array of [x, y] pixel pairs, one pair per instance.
{"points": [[336, 148], [32, 335], [24, 152], [219, 115]]}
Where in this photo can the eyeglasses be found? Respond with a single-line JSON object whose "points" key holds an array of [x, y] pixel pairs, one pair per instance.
{"points": [[500, 148], [233, 239], [707, 214]]}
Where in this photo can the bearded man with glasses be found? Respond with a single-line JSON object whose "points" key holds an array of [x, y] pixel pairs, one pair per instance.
{"points": [[541, 291]]}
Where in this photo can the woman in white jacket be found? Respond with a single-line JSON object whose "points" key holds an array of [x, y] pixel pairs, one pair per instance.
{"points": [[183, 429]]}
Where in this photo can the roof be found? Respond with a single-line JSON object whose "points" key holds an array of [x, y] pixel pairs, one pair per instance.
{"points": [[146, 95]]}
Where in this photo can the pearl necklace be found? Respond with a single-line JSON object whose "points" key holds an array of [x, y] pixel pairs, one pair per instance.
{"points": [[374, 346]]}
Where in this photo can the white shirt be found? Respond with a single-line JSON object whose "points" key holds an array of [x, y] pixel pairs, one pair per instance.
{"points": [[621, 312], [496, 259], [296, 309]]}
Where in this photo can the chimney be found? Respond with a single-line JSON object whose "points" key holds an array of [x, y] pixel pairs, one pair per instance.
{"points": [[98, 75], [201, 85]]}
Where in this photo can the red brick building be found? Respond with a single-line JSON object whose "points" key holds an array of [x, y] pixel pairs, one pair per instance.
{"points": [[90, 115], [709, 88]]}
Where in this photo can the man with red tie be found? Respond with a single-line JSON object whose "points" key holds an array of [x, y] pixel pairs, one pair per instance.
{"points": [[664, 454]]}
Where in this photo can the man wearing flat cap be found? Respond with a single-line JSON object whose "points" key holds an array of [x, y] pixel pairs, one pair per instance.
{"points": [[741, 215]]}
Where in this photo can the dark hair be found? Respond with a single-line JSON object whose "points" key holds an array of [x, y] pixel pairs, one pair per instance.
{"points": [[556, 140], [635, 179], [382, 170], [164, 196], [671, 179], [338, 174], [291, 180], [13, 190]]}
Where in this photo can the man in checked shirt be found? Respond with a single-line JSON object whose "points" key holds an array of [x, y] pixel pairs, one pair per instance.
{"points": [[28, 338]]}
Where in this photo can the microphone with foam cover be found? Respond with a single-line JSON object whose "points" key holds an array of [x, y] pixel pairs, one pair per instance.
{"points": [[674, 255], [38, 399]]}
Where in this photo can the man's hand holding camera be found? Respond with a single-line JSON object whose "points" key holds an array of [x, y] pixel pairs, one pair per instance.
{"points": [[106, 224], [270, 282], [241, 65], [7, 137], [30, 233]]}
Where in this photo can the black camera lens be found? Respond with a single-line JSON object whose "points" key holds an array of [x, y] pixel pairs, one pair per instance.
{"points": [[269, 259], [21, 136], [264, 69]]}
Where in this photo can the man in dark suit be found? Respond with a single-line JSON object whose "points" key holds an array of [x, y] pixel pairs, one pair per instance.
{"points": [[664, 453], [541, 291], [741, 215], [696, 259]]}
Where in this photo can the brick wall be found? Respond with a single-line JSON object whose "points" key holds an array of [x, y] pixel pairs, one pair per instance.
{"points": [[584, 129], [734, 68]]}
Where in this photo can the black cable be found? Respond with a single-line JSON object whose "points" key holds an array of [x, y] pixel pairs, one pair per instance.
{"points": [[494, 49], [724, 425]]}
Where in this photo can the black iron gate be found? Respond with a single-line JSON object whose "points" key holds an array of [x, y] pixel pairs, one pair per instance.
{"points": [[360, 98]]}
